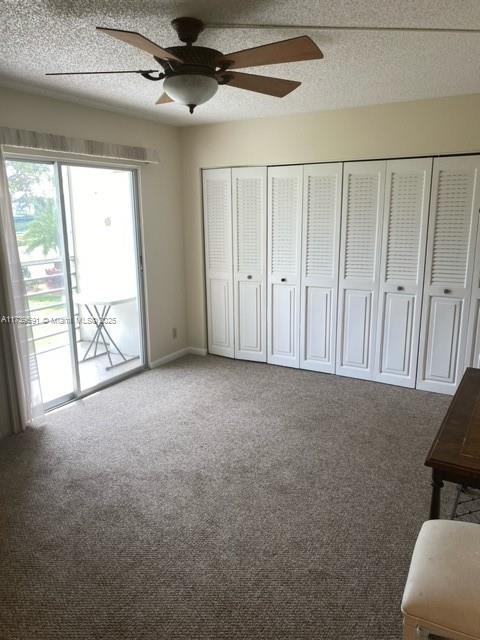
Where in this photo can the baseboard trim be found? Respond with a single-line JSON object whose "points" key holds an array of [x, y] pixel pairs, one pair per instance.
{"points": [[178, 354], [197, 351], [170, 357]]}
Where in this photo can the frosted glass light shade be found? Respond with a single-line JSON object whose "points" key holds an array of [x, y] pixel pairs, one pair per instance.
{"points": [[190, 89]]}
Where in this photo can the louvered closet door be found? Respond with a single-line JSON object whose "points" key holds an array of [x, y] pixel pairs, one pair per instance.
{"points": [[472, 358], [407, 195], [284, 256], [362, 212], [473, 336], [250, 244], [322, 200], [448, 274], [217, 210]]}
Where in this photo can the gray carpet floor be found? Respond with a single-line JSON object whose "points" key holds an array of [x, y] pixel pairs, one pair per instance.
{"points": [[216, 499]]}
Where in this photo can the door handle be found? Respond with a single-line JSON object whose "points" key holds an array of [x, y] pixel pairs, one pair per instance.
{"points": [[447, 291], [283, 280], [249, 277], [400, 288]]}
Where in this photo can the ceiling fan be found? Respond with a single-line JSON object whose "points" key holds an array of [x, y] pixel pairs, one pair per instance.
{"points": [[192, 73]]}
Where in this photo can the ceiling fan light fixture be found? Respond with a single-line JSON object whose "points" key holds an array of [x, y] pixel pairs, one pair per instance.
{"points": [[190, 89], [192, 73]]}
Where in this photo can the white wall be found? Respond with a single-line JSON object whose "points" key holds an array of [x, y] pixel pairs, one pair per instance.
{"points": [[159, 194], [427, 127]]}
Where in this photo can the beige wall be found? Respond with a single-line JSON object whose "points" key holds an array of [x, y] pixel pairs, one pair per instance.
{"points": [[427, 127], [174, 245], [159, 195]]}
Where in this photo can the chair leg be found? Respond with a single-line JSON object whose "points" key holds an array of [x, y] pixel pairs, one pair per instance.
{"points": [[413, 632], [409, 632]]}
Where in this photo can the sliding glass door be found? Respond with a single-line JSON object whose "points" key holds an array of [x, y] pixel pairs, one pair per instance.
{"points": [[38, 226], [100, 207], [77, 236]]}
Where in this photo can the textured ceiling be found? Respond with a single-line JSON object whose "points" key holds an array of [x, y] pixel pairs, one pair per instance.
{"points": [[359, 68]]}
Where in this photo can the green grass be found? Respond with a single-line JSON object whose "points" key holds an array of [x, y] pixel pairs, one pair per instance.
{"points": [[43, 301]]}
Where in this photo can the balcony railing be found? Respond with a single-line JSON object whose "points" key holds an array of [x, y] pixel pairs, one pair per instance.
{"points": [[54, 292]]}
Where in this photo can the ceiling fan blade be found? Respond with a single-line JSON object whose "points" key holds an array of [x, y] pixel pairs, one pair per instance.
{"points": [[93, 73], [164, 99], [140, 42], [277, 87], [291, 50], [324, 27]]}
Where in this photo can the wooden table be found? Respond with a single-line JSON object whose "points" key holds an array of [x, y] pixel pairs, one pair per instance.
{"points": [[455, 453]]}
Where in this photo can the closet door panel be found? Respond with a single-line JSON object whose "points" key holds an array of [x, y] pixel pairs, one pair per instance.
{"points": [[407, 194], [444, 332], [249, 268], [220, 300], [283, 331], [473, 358], [448, 275], [284, 255], [363, 196], [249, 335], [473, 335], [357, 311], [317, 327], [322, 199], [217, 208], [396, 334]]}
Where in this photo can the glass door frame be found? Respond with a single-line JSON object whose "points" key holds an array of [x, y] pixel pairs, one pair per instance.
{"points": [[63, 160]]}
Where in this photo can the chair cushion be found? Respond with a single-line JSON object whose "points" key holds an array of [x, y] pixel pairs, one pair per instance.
{"points": [[443, 584]]}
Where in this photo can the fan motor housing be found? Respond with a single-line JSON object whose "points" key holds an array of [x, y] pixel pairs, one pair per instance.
{"points": [[190, 69], [188, 29], [191, 55]]}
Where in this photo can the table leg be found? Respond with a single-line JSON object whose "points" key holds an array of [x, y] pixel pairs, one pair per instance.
{"points": [[102, 315], [94, 340], [437, 484]]}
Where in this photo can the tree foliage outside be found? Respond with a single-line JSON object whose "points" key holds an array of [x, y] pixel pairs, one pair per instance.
{"points": [[31, 184], [42, 232]]}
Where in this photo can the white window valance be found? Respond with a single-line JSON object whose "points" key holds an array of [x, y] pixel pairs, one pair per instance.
{"points": [[53, 142]]}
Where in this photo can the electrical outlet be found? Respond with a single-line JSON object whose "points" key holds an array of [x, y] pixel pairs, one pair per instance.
{"points": [[174, 332]]}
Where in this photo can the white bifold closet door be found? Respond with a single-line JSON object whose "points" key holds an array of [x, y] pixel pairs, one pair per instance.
{"points": [[322, 203], [285, 187], [473, 336], [451, 243], [217, 209], [249, 199], [405, 221], [362, 213]]}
